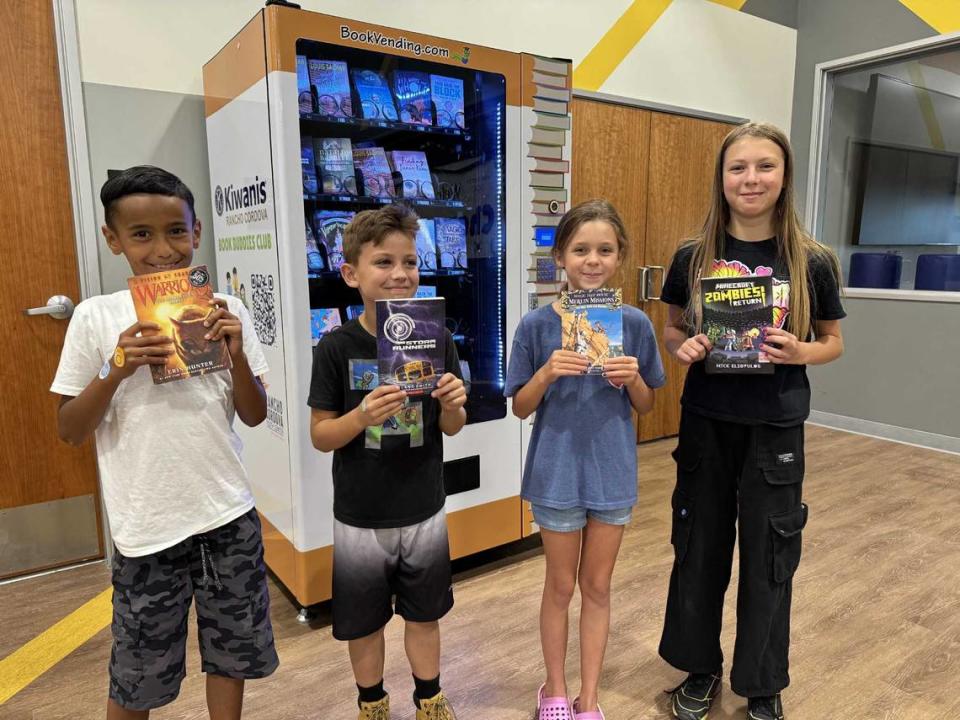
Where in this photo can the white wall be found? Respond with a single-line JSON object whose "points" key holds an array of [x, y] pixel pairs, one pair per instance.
{"points": [[698, 55]]}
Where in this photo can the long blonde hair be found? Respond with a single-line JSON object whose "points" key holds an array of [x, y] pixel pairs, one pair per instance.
{"points": [[795, 246]]}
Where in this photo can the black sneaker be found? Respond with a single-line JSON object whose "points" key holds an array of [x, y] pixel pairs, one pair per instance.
{"points": [[691, 699], [765, 708]]}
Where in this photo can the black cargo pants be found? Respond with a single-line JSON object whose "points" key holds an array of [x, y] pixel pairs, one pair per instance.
{"points": [[731, 477]]}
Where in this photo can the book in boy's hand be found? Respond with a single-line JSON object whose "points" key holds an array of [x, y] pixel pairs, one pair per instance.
{"points": [[736, 314], [411, 335], [591, 324], [179, 302]]}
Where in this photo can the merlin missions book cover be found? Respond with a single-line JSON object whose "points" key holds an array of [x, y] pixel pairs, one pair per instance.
{"points": [[410, 343], [591, 324], [736, 314], [179, 301]]}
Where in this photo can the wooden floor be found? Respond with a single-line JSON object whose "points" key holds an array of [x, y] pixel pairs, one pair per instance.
{"points": [[876, 622]]}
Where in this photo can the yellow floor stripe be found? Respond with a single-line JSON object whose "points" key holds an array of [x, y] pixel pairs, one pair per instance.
{"points": [[942, 15], [735, 4], [615, 45], [29, 662]]}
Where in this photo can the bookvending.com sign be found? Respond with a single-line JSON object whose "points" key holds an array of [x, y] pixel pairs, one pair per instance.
{"points": [[374, 37]]}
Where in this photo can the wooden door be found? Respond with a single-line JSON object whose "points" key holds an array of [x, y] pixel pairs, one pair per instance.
{"points": [[49, 506], [610, 148], [680, 172]]}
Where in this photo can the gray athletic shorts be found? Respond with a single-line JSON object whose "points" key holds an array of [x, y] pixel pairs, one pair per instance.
{"points": [[371, 567], [223, 569]]}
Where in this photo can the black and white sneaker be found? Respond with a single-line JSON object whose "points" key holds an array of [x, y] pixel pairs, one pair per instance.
{"points": [[765, 708], [691, 699]]}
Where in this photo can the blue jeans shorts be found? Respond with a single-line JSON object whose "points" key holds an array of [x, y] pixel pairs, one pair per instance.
{"points": [[573, 519]]}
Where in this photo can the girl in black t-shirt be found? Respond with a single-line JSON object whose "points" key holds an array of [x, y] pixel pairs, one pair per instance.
{"points": [[740, 455]]}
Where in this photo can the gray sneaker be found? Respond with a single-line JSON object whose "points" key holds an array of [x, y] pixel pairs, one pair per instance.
{"points": [[691, 699]]}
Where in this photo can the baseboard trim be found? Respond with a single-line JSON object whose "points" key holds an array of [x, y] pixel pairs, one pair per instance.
{"points": [[907, 436]]}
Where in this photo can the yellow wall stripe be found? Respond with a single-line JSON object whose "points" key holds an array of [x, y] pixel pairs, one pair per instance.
{"points": [[942, 15], [29, 662], [735, 4], [616, 44]]}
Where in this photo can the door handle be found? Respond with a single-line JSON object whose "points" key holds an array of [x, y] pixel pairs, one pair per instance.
{"points": [[651, 270], [642, 273], [59, 307]]}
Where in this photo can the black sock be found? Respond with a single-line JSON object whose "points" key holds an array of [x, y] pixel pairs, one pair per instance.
{"points": [[425, 689], [372, 693]]}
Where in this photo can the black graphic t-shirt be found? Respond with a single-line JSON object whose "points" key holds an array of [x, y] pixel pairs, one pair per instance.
{"points": [[782, 398], [387, 476]]}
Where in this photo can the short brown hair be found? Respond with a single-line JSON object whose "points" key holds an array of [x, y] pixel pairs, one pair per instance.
{"points": [[585, 212], [372, 226]]}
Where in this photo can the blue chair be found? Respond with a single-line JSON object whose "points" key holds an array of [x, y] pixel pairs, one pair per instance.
{"points": [[875, 270], [937, 272]]}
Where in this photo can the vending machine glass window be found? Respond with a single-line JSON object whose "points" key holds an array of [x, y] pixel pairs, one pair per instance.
{"points": [[377, 129]]}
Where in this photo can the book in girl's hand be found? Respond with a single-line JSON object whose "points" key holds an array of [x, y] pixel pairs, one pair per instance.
{"points": [[447, 95], [591, 323], [412, 90], [331, 82], [411, 336], [179, 302], [736, 314], [376, 102]]}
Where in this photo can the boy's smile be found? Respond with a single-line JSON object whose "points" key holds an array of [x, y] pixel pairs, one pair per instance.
{"points": [[385, 271], [154, 232]]}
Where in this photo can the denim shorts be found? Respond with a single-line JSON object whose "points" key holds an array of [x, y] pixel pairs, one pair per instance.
{"points": [[573, 519]]}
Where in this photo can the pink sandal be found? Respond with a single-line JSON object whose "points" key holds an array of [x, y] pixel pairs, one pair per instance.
{"points": [[552, 708], [592, 715]]}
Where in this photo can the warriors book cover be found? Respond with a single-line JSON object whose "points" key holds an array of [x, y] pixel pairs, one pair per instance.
{"points": [[179, 301], [736, 314], [410, 343], [591, 324]]}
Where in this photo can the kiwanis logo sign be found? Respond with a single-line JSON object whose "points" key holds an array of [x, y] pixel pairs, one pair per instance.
{"points": [[241, 204]]}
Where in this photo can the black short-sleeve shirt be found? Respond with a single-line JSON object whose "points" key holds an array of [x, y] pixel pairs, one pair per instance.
{"points": [[387, 476], [782, 398]]}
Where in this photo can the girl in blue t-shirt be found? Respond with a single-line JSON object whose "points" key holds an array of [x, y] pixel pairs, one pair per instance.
{"points": [[581, 468]]}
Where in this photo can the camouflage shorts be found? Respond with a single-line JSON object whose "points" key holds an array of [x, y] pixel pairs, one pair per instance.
{"points": [[223, 569]]}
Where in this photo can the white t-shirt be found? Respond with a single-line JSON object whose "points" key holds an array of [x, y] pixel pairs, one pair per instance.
{"points": [[169, 457]]}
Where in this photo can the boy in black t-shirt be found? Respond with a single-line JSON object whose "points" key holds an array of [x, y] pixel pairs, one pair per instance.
{"points": [[390, 532]]}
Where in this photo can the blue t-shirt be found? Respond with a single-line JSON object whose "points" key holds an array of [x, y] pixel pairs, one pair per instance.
{"points": [[583, 450]]}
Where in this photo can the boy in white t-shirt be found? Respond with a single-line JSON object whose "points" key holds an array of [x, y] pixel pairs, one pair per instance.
{"points": [[178, 501]]}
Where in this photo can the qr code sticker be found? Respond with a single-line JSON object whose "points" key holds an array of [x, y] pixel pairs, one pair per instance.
{"points": [[264, 309]]}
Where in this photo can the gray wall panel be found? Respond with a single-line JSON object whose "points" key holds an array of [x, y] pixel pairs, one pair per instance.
{"points": [[131, 126]]}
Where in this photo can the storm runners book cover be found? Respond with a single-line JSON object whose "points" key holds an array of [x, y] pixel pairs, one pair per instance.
{"points": [[410, 343], [179, 301]]}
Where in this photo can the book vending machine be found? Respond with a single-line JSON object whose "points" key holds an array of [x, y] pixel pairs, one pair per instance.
{"points": [[311, 119]]}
